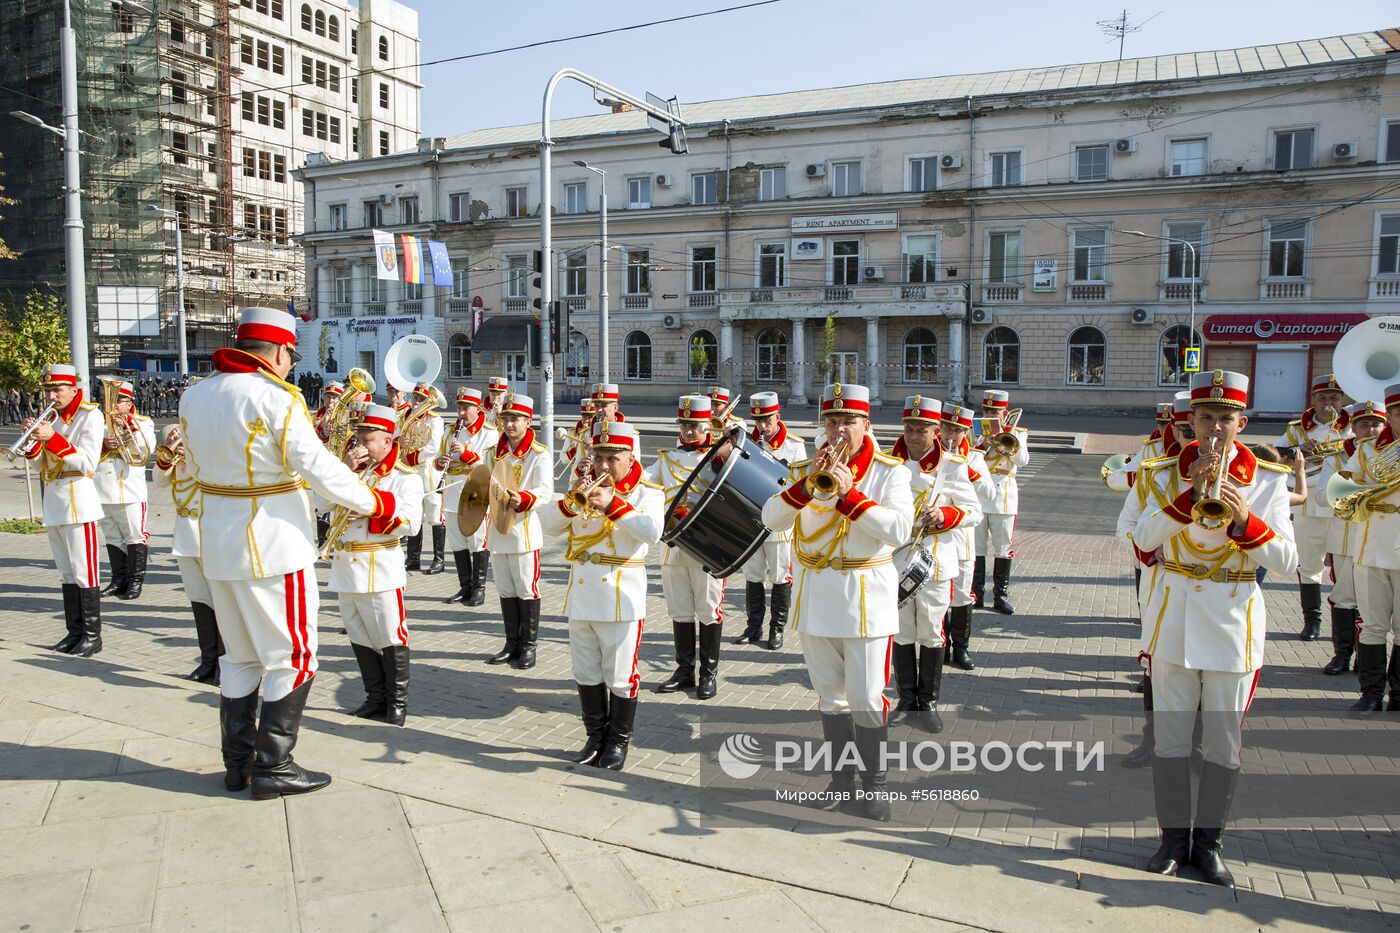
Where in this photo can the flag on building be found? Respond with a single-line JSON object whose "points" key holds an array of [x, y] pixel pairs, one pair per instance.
{"points": [[442, 265], [412, 259], [386, 258]]}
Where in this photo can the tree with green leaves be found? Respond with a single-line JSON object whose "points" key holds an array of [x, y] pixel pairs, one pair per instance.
{"points": [[5, 251], [700, 359], [32, 334], [827, 364]]}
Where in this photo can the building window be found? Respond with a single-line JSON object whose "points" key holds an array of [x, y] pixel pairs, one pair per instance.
{"points": [[355, 139], [338, 219], [576, 274], [772, 265], [1084, 365], [920, 356], [179, 91], [1004, 259], [354, 42], [772, 356], [354, 90], [845, 179], [180, 143], [1005, 169], [459, 357], [333, 29], [1180, 266], [413, 291], [1392, 141], [1388, 246], [923, 174], [340, 275], [461, 278], [1188, 157], [638, 272], [1090, 248], [376, 290], [1001, 356], [517, 275], [703, 267], [458, 207], [306, 16], [576, 197], [921, 259], [383, 95], [1293, 149], [408, 210], [772, 183], [383, 48], [1091, 163], [704, 188], [516, 205], [639, 191], [1288, 248], [636, 349], [320, 27], [845, 262], [374, 213], [1171, 358], [383, 142], [698, 370]]}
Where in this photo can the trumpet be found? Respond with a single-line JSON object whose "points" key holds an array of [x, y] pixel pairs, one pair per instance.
{"points": [[173, 450], [1006, 442], [1211, 512], [821, 482], [720, 423], [47, 416], [578, 496]]}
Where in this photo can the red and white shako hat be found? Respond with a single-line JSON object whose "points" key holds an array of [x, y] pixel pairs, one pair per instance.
{"points": [[719, 395], [335, 388], [1392, 394], [1181, 406], [1222, 387], [1327, 382], [1366, 409], [995, 398], [764, 403], [466, 395], [268, 324], [126, 390], [922, 408], [497, 384], [586, 406], [614, 435], [605, 392], [1164, 412], [60, 374], [953, 413], [846, 398], [695, 408], [379, 418], [517, 404]]}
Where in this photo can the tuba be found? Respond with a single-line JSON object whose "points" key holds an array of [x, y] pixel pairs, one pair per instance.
{"points": [[410, 362], [340, 415], [1367, 358], [127, 447]]}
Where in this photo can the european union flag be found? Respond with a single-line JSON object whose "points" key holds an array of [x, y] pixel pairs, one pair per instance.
{"points": [[442, 265]]}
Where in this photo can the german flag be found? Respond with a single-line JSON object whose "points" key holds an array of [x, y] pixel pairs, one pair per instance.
{"points": [[412, 259]]}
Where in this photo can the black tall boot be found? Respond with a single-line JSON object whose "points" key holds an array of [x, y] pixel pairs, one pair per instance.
{"points": [[707, 685], [211, 646], [481, 562], [684, 676], [275, 774], [1343, 641], [116, 559], [90, 604], [930, 685], [1001, 583], [593, 701], [838, 729], [1310, 596], [782, 599], [755, 602], [376, 689], [529, 632], [72, 618], [1392, 674], [1213, 796], [413, 558], [960, 633], [1370, 673], [1141, 756], [872, 775], [396, 684], [136, 571], [622, 713], [979, 580], [238, 732], [462, 560], [439, 543], [1171, 793], [906, 679], [510, 614]]}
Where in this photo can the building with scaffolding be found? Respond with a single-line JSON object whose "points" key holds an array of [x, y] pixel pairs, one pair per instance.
{"points": [[205, 109]]}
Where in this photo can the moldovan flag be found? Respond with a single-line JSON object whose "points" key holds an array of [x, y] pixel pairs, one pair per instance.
{"points": [[442, 265], [412, 259], [386, 258]]}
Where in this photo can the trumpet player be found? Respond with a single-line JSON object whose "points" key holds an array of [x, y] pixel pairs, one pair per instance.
{"points": [[954, 429], [497, 388], [470, 439], [172, 471], [606, 603], [67, 441], [423, 459], [849, 511], [1209, 517], [576, 450], [771, 564], [994, 534], [606, 400], [1366, 420], [121, 488], [1318, 434], [367, 568]]}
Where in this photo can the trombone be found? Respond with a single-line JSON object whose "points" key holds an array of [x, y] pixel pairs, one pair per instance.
{"points": [[47, 416], [1006, 442], [579, 440]]}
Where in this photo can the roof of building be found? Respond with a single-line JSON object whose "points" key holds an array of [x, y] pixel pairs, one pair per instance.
{"points": [[1157, 68]]}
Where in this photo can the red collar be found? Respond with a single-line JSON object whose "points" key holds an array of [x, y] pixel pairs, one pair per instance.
{"points": [[1310, 420], [1349, 445], [402, 407], [1155, 435], [1242, 464], [779, 437], [965, 446], [67, 414], [476, 426], [927, 462], [387, 464], [233, 360], [1386, 437], [1171, 442], [630, 481], [503, 445], [699, 445]]}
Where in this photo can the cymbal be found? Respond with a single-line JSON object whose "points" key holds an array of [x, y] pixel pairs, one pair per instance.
{"points": [[503, 477], [475, 500]]}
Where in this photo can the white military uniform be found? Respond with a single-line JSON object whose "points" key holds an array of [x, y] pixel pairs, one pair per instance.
{"points": [[966, 532], [1312, 519], [1377, 567], [1122, 479], [692, 595], [999, 510], [772, 562], [184, 496], [921, 618], [424, 463], [1343, 540], [71, 507], [516, 554], [477, 440], [121, 487]]}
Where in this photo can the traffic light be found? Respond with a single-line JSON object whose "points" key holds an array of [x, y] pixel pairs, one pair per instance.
{"points": [[558, 326], [675, 140], [537, 283]]}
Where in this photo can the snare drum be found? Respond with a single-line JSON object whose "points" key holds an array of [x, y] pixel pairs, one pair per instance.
{"points": [[914, 563]]}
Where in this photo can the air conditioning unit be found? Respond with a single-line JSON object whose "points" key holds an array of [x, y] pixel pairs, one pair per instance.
{"points": [[816, 170], [981, 316], [872, 273], [951, 161], [1141, 316], [386, 199], [1344, 150], [671, 321], [1123, 146], [663, 180]]}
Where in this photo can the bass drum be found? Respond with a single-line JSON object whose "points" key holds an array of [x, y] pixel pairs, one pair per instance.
{"points": [[717, 516]]}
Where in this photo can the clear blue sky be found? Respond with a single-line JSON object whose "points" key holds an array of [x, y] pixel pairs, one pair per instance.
{"points": [[796, 44]]}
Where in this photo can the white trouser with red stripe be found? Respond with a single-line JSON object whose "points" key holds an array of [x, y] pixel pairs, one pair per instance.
{"points": [[456, 541], [921, 619], [692, 595], [962, 584], [75, 553], [517, 575], [1378, 599], [124, 523], [192, 576], [850, 674], [606, 653], [1223, 698], [771, 564], [375, 620], [1310, 534], [269, 632]]}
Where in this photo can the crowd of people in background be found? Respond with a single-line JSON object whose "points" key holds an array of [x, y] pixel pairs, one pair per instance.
{"points": [[157, 394], [311, 385]]}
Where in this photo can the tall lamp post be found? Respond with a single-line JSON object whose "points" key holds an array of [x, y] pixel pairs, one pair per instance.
{"points": [[602, 268], [1195, 274], [184, 360]]}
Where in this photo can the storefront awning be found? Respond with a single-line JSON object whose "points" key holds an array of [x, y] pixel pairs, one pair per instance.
{"points": [[503, 333]]}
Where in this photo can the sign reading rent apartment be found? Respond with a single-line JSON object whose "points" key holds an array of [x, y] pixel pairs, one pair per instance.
{"points": [[1256, 328], [1045, 275], [838, 223]]}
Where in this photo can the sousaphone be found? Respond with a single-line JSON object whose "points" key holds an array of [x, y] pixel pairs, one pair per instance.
{"points": [[1367, 359]]}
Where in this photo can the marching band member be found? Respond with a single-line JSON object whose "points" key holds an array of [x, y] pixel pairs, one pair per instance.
{"points": [[517, 551], [581, 464], [848, 515], [1343, 539], [253, 450], [423, 459], [467, 444], [1319, 434], [692, 595], [944, 498], [954, 428], [1203, 620], [497, 388], [771, 564], [994, 534], [606, 601], [121, 488], [67, 448], [328, 398], [606, 399], [173, 471], [1121, 479], [367, 568]]}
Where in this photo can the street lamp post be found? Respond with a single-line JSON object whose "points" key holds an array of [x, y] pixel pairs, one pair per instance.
{"points": [[184, 360], [602, 268], [1195, 270]]}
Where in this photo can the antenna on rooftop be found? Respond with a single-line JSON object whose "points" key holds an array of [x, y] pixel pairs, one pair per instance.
{"points": [[1120, 27]]}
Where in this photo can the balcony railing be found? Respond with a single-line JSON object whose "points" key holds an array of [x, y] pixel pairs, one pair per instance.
{"points": [[458, 306], [837, 293], [1181, 291], [636, 302], [516, 305], [375, 307], [913, 292], [1002, 292], [340, 310], [412, 306], [576, 303], [760, 295], [1088, 292], [1285, 290], [1385, 288], [818, 295], [702, 300]]}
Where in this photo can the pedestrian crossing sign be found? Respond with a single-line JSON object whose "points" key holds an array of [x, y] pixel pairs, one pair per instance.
{"points": [[1193, 359]]}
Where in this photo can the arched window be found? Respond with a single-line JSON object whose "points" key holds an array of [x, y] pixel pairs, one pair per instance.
{"points": [[576, 360], [920, 356], [636, 352], [1171, 356], [1001, 356], [320, 29], [1084, 361], [459, 357], [772, 356], [702, 356], [333, 29], [384, 48], [306, 16]]}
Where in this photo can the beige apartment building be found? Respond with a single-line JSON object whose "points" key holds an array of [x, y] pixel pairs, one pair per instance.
{"points": [[1051, 231]]}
